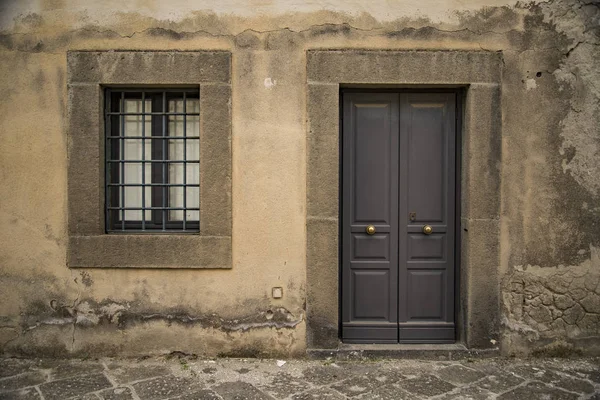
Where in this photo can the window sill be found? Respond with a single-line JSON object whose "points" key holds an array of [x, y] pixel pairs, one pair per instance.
{"points": [[172, 251]]}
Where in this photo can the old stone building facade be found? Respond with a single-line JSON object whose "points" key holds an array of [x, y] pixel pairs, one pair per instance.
{"points": [[238, 242]]}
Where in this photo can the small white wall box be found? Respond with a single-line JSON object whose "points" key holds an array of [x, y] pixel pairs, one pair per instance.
{"points": [[277, 292]]}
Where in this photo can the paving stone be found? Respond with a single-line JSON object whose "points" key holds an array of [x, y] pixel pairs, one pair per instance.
{"points": [[409, 372], [426, 385], [240, 391], [22, 380], [302, 380], [468, 393], [385, 377], [380, 371], [166, 387], [388, 392], [283, 385], [89, 396], [75, 386], [212, 370], [537, 390], [356, 386], [488, 366], [592, 375], [10, 367], [319, 394], [126, 373], [558, 379], [200, 395], [459, 375], [500, 383], [573, 384], [324, 374], [68, 369], [118, 393], [358, 368], [21, 394]]}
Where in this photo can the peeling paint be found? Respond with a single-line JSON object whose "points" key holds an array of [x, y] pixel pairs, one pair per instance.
{"points": [[124, 316]]}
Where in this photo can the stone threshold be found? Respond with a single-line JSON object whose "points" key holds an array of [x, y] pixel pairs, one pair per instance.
{"points": [[455, 351]]}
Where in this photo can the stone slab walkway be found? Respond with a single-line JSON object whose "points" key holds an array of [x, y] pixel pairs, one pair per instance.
{"points": [[229, 379]]}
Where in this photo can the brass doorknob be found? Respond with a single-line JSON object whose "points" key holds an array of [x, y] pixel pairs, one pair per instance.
{"points": [[370, 229], [427, 229]]}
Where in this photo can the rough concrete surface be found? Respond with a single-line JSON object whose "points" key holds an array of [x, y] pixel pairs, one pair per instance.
{"points": [[181, 377], [549, 175]]}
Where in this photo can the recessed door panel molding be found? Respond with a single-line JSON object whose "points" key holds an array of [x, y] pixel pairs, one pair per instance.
{"points": [[371, 135], [432, 247], [371, 247], [426, 289], [398, 217], [426, 159], [365, 305]]}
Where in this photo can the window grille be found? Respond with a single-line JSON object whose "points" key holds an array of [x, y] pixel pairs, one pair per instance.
{"points": [[152, 160]]}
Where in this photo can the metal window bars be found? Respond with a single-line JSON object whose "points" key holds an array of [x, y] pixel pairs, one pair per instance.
{"points": [[152, 160]]}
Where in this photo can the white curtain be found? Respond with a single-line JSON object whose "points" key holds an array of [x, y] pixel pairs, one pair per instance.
{"points": [[131, 149], [192, 153]]}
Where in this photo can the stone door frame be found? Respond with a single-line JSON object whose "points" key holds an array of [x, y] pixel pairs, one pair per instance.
{"points": [[479, 73]]}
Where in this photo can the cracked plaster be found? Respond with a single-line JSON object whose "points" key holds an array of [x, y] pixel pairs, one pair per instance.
{"points": [[546, 305]]}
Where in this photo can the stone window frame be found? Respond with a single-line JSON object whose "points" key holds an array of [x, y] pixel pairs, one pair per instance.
{"points": [[89, 72], [479, 75]]}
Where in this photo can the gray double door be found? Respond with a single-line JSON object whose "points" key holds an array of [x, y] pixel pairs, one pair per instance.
{"points": [[398, 217]]}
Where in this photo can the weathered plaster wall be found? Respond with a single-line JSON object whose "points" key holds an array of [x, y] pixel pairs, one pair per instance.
{"points": [[550, 169], [551, 177]]}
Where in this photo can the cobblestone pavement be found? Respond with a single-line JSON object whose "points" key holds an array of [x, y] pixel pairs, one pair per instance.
{"points": [[228, 379]]}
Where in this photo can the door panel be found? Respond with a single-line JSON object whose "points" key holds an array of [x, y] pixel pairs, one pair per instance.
{"points": [[398, 162], [371, 137], [367, 306], [371, 247], [426, 248], [426, 291], [370, 262], [425, 186], [426, 197]]}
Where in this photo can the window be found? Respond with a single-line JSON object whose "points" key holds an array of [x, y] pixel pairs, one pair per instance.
{"points": [[149, 152], [152, 160]]}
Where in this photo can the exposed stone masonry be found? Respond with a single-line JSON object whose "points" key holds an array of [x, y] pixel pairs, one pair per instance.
{"points": [[546, 304]]}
